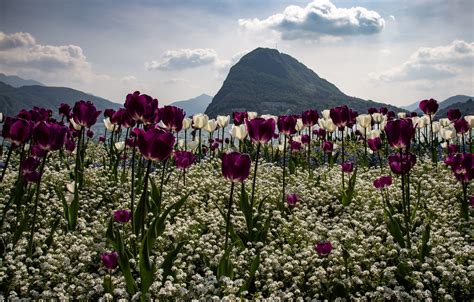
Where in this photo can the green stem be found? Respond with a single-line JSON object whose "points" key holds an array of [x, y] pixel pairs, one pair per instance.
{"points": [[145, 194], [284, 170], [229, 211], [6, 162], [254, 179], [163, 170], [35, 208]]}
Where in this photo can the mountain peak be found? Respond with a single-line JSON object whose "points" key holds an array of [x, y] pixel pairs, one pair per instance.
{"points": [[16, 81]]}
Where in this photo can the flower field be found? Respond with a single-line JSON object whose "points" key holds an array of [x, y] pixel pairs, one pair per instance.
{"points": [[320, 206]]}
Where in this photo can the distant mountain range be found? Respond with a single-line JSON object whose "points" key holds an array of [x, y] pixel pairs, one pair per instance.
{"points": [[14, 99], [442, 104], [466, 107], [270, 82], [194, 105], [17, 81]]}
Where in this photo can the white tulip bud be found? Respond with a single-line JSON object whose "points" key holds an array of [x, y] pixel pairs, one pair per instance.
{"points": [[326, 114], [239, 132], [186, 123], [364, 120], [109, 126], [71, 187], [299, 124], [200, 120], [211, 126], [470, 120], [223, 120], [444, 122], [120, 146], [402, 115], [251, 115], [377, 117]]}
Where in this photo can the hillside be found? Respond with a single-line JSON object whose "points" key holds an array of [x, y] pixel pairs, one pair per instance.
{"points": [[270, 82], [466, 108], [17, 81], [443, 104], [194, 105], [14, 99]]}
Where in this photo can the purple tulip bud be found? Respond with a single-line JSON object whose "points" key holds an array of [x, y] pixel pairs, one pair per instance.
{"points": [[323, 248], [214, 146], [172, 117], [327, 146], [453, 148], [454, 114], [305, 139], [295, 146], [28, 169], [65, 110], [239, 117], [49, 136], [429, 106], [292, 199], [287, 124], [471, 201], [235, 166], [383, 110], [461, 126], [109, 113], [141, 107], [122, 216], [155, 144], [260, 129], [462, 166], [90, 133], [184, 159], [70, 145], [85, 114], [110, 259], [401, 164], [102, 139], [16, 130], [310, 117], [399, 133], [383, 182], [390, 115], [227, 140], [122, 118], [347, 167], [372, 110], [320, 132], [340, 116], [375, 143]]}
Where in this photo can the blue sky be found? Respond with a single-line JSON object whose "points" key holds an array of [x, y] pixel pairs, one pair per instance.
{"points": [[390, 51]]}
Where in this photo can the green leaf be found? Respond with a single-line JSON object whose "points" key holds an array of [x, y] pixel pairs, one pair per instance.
{"points": [[54, 227], [21, 227], [424, 249], [225, 267], [252, 271], [168, 262], [140, 213], [74, 209], [291, 166], [246, 209], [348, 194], [147, 271], [108, 286], [395, 229], [124, 264], [60, 194]]}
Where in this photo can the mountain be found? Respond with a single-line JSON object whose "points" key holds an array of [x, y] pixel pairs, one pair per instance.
{"points": [[14, 99], [17, 81], [443, 104], [270, 82], [466, 108], [194, 105]]}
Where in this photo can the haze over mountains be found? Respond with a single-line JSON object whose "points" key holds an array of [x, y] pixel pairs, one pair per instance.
{"points": [[194, 105]]}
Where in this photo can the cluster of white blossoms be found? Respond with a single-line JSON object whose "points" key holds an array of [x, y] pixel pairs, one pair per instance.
{"points": [[365, 264]]}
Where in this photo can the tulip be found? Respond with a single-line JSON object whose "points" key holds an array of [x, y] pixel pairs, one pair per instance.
{"points": [[326, 114], [85, 114], [305, 139], [340, 116], [402, 115], [239, 117], [141, 107], [375, 143], [239, 132], [64, 110], [90, 133], [172, 117], [108, 113], [187, 123], [401, 164], [211, 126], [399, 133], [295, 146], [347, 167], [155, 144], [364, 120], [383, 110], [377, 117], [120, 146], [184, 159], [122, 119], [383, 182], [446, 133], [452, 149], [310, 117], [251, 115], [29, 169], [287, 124], [470, 120], [292, 199], [223, 120], [429, 107], [16, 130], [323, 248], [122, 216], [260, 130], [49, 136], [462, 166], [454, 114], [110, 259], [328, 146], [461, 126], [299, 124], [109, 125]]}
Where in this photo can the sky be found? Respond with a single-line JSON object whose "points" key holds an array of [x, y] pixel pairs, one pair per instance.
{"points": [[391, 51]]}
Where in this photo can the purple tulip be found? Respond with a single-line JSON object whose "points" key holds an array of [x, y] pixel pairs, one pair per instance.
{"points": [[16, 130], [399, 133], [109, 113], [122, 118], [471, 201], [110, 259], [323, 248], [390, 115], [239, 117], [462, 165], [453, 148], [340, 116], [295, 146], [184, 159], [122, 216], [383, 110], [401, 164], [320, 132], [454, 114], [352, 118], [429, 106], [305, 139], [461, 126], [310, 117], [155, 144], [49, 136], [28, 169], [292, 199], [328, 146], [85, 114], [102, 139], [375, 143], [235, 166], [347, 167], [141, 107], [64, 110], [286, 124], [172, 117], [260, 129], [383, 182], [372, 110], [70, 145], [90, 133]]}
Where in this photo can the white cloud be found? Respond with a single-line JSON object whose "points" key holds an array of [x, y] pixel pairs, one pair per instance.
{"points": [[15, 40], [318, 19], [223, 66], [183, 59], [435, 63]]}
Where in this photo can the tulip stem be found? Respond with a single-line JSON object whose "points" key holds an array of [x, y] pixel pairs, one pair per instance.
{"points": [[309, 148], [464, 204], [463, 144], [200, 146], [229, 210], [125, 151], [284, 170], [254, 179], [145, 195], [342, 156], [35, 208], [161, 184], [185, 139], [133, 176], [222, 142], [6, 162]]}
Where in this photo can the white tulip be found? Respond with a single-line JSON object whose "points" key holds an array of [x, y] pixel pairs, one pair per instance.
{"points": [[200, 120], [299, 124], [364, 120], [330, 126], [402, 115], [74, 125], [377, 117], [211, 126], [71, 187], [444, 145], [239, 132], [374, 133], [251, 115], [383, 124], [447, 133], [281, 147], [470, 120], [1, 117], [120, 146], [435, 127], [444, 122], [422, 121], [297, 138], [269, 116], [109, 126], [223, 120], [326, 114], [186, 123]]}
